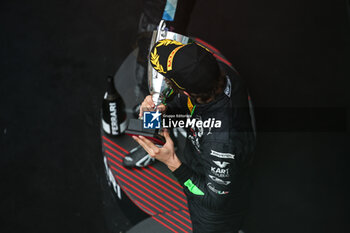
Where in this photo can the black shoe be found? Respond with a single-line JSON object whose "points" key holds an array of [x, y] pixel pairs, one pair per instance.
{"points": [[138, 157]]}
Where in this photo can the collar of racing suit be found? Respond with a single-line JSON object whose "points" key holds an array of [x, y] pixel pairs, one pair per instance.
{"points": [[216, 104]]}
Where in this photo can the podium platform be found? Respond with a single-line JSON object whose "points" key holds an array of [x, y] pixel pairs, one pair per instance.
{"points": [[159, 199], [153, 189]]}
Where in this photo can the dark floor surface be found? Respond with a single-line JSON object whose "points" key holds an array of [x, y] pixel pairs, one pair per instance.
{"points": [[55, 55]]}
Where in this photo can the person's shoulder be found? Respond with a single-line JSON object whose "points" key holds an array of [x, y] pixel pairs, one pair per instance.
{"points": [[237, 84], [230, 71]]}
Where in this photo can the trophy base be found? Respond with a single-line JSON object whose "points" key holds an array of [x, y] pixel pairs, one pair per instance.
{"points": [[135, 128]]}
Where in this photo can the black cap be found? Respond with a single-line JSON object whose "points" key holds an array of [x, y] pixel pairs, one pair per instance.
{"points": [[191, 67]]}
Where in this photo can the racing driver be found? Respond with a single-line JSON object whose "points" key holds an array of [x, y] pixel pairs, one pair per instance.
{"points": [[214, 166]]}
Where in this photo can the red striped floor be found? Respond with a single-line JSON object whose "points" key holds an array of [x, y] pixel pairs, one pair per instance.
{"points": [[151, 189], [215, 52]]}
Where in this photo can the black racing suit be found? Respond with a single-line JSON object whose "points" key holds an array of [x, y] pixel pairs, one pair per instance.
{"points": [[215, 161]]}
